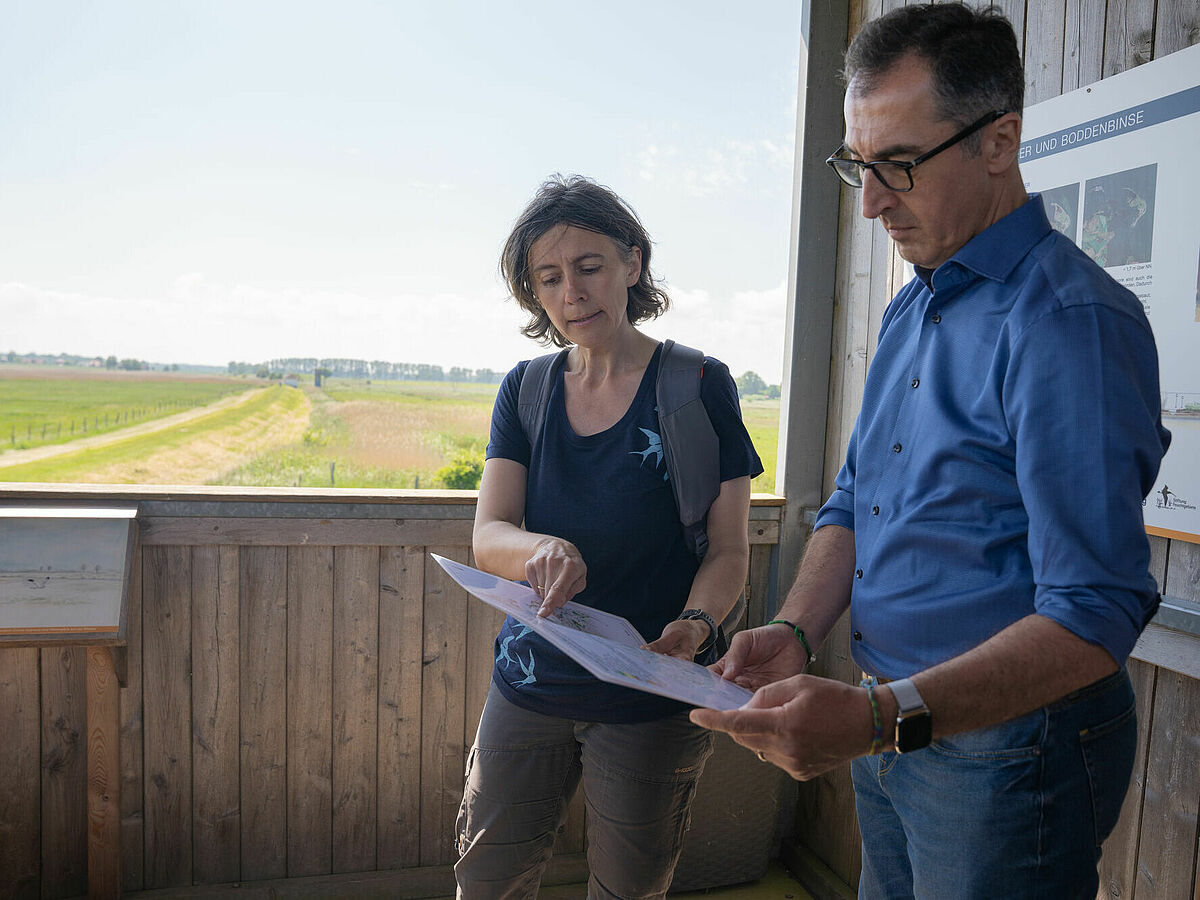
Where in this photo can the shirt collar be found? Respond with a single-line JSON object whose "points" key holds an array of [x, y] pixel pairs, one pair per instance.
{"points": [[998, 249]]}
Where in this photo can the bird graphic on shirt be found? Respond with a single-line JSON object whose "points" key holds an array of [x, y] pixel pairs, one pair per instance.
{"points": [[654, 448]]}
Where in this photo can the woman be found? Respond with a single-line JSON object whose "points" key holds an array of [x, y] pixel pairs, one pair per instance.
{"points": [[586, 514]]}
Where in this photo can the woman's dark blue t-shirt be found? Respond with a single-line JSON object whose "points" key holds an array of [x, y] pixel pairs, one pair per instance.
{"points": [[609, 495]]}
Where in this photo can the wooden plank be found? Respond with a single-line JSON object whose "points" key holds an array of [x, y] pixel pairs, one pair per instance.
{"points": [[292, 532], [1168, 649], [1176, 26], [216, 811], [64, 772], [432, 881], [1118, 864], [310, 710], [167, 638], [103, 776], [442, 709], [1083, 51], [263, 703], [132, 739], [1044, 37], [1171, 811], [20, 775], [401, 614], [259, 532], [1183, 576], [1128, 35], [355, 706], [758, 587]]}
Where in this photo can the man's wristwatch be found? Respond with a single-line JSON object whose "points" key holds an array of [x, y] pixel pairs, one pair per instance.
{"points": [[707, 620], [914, 724]]}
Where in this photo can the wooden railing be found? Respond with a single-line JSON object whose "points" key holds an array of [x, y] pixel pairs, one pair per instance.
{"points": [[302, 686]]}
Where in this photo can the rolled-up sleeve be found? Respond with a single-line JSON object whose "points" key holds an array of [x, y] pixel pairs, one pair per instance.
{"points": [[1082, 398]]}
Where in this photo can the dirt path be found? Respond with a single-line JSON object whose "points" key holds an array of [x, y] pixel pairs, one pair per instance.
{"points": [[35, 454], [211, 453]]}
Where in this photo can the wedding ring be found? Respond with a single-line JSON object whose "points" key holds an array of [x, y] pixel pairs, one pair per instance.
{"points": [[759, 754]]}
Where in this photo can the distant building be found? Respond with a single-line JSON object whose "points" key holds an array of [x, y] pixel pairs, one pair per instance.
{"points": [[292, 380]]}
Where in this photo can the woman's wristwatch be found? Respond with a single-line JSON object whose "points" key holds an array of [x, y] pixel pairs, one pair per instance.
{"points": [[707, 620]]}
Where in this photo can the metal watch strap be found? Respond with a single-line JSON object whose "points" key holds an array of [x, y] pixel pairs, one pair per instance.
{"points": [[906, 694], [707, 620]]}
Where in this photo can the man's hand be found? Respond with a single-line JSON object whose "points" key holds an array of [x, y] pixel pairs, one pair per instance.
{"points": [[557, 572], [762, 655], [681, 639], [805, 725]]}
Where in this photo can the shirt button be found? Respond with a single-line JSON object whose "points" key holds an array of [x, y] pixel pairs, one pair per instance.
{"points": [[916, 382], [896, 448], [874, 510], [858, 573], [858, 635], [936, 318]]}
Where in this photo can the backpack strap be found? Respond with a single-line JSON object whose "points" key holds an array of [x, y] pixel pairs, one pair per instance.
{"points": [[534, 395], [693, 454], [690, 445]]}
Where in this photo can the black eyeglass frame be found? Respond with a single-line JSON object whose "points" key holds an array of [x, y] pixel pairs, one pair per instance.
{"points": [[854, 167]]}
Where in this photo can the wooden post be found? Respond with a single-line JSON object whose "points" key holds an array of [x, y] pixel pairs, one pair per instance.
{"points": [[103, 775]]}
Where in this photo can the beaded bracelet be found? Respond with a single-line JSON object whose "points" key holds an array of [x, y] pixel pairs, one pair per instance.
{"points": [[877, 734], [799, 636]]}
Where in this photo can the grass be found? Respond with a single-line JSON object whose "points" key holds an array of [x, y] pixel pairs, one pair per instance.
{"points": [[378, 434], [762, 421], [38, 409], [394, 434], [80, 465]]}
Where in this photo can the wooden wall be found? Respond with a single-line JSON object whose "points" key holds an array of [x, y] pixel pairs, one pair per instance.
{"points": [[303, 685], [1066, 44]]}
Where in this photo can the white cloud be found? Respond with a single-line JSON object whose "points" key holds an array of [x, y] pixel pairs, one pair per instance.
{"points": [[705, 171], [743, 329]]}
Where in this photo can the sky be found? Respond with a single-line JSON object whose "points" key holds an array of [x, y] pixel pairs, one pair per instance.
{"points": [[206, 181]]}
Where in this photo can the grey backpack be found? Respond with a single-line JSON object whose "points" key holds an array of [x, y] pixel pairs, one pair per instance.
{"points": [[690, 444]]}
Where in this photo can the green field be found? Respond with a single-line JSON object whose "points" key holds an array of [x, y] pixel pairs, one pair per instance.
{"points": [[64, 404], [348, 433], [78, 466]]}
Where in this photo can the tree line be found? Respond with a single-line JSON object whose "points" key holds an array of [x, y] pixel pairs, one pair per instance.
{"points": [[364, 369]]}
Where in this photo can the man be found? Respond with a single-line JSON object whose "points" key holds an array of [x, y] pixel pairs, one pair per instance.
{"points": [[986, 528]]}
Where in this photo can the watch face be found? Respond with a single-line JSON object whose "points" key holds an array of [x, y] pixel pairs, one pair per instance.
{"points": [[914, 732]]}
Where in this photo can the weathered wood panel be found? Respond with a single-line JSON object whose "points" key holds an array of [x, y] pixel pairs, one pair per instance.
{"points": [[1044, 49], [355, 707], [20, 774], [401, 639], [64, 771], [443, 708], [263, 692], [1171, 810], [309, 709], [216, 804], [132, 739], [103, 775], [167, 600]]}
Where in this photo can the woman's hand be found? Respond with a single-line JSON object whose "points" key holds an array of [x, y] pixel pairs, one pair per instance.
{"points": [[681, 639], [557, 572]]}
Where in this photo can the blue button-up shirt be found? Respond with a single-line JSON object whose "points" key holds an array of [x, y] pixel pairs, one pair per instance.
{"points": [[1009, 433]]}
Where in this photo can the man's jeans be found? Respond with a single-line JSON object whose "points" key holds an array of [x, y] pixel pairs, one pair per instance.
{"points": [[638, 783], [1018, 810]]}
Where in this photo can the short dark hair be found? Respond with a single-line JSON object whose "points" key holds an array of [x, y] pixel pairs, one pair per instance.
{"points": [[578, 201], [972, 54]]}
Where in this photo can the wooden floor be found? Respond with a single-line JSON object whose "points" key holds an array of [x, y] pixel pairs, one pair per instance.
{"points": [[777, 884]]}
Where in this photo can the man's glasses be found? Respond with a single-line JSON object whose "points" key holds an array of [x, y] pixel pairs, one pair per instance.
{"points": [[895, 175]]}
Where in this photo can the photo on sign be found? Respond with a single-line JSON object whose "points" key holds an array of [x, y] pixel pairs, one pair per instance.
{"points": [[1118, 217], [60, 573], [1062, 209]]}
